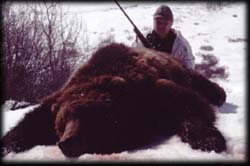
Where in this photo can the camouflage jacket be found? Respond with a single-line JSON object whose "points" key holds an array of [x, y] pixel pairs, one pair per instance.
{"points": [[180, 48]]}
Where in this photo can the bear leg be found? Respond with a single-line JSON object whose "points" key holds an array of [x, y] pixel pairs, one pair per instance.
{"points": [[37, 128], [183, 102], [192, 79], [200, 135], [195, 116], [211, 90]]}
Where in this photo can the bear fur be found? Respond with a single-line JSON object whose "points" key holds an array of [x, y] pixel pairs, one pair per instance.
{"points": [[123, 98]]}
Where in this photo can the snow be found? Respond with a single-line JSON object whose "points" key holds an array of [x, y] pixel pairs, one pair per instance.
{"points": [[11, 118], [224, 29]]}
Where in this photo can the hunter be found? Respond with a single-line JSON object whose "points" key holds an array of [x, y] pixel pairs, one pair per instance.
{"points": [[165, 38]]}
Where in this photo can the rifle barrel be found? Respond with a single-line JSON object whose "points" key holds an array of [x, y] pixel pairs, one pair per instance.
{"points": [[124, 13], [144, 41]]}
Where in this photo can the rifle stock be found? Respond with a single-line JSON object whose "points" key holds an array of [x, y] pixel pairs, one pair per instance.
{"points": [[144, 41]]}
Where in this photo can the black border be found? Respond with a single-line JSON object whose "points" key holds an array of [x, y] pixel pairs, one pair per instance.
{"points": [[135, 162]]}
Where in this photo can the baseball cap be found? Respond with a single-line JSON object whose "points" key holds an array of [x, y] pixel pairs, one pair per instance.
{"points": [[164, 12]]}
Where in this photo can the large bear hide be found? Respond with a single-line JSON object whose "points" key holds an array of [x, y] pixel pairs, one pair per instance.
{"points": [[123, 98]]}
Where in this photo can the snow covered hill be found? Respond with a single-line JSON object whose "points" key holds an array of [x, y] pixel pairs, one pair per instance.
{"points": [[222, 29]]}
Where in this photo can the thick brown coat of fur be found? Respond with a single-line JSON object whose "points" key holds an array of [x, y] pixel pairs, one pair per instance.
{"points": [[123, 98]]}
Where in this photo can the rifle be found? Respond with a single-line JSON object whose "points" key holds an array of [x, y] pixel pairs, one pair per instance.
{"points": [[144, 41]]}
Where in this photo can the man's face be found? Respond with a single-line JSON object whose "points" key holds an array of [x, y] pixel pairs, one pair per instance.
{"points": [[162, 26]]}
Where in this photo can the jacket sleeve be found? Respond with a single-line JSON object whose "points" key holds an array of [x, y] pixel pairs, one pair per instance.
{"points": [[183, 51], [137, 43]]}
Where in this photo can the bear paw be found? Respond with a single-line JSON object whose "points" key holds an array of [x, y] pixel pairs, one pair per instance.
{"points": [[203, 138]]}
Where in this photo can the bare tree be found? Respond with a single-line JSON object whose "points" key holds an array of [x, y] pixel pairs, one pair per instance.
{"points": [[40, 49]]}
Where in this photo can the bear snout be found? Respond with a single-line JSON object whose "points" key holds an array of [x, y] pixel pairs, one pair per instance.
{"points": [[69, 142], [70, 147]]}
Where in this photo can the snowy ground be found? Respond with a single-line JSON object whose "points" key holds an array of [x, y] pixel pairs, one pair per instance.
{"points": [[223, 29]]}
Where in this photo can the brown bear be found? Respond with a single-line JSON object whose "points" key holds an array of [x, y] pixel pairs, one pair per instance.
{"points": [[124, 98]]}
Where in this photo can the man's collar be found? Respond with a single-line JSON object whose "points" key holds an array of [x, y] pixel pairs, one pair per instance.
{"points": [[167, 36]]}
